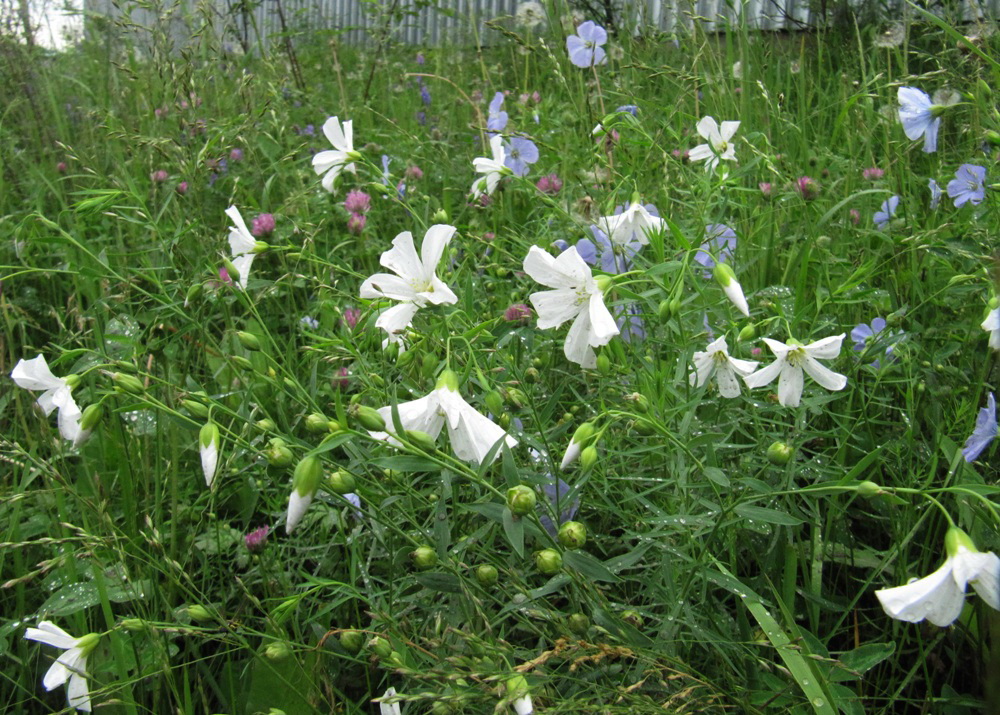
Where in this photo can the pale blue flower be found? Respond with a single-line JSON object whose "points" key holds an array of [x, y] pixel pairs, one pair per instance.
{"points": [[968, 186], [935, 194], [496, 121], [888, 210], [585, 47], [917, 117], [628, 318], [615, 258], [630, 108], [720, 243], [863, 334], [520, 153], [984, 433], [558, 494]]}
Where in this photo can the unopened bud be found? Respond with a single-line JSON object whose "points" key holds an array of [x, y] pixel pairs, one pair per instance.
{"points": [[92, 416], [779, 453], [277, 650], [193, 293], [307, 476], [422, 440], [548, 561], [127, 383], [199, 613], [487, 575], [266, 424], [573, 535], [135, 625], [380, 647], [341, 482], [521, 500], [424, 557], [747, 333], [231, 270], [351, 641], [248, 340], [278, 454], [578, 623], [367, 417], [516, 398], [195, 408], [241, 362], [429, 364], [588, 458], [869, 489], [440, 216], [665, 310], [317, 422], [494, 402], [604, 364]]}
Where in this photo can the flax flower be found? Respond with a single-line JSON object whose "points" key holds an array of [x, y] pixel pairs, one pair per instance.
{"points": [[633, 224], [243, 245], [992, 325], [71, 666], [492, 168], [791, 360], [333, 161], [716, 360], [719, 144], [34, 374], [577, 296]]}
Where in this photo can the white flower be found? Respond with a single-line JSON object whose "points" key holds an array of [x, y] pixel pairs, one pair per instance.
{"points": [[719, 144], [732, 288], [737, 70], [634, 223], [492, 168], [415, 284], [71, 665], [992, 324], [576, 296], [577, 443], [208, 446], [791, 361], [523, 706], [34, 374], [715, 360], [940, 596], [342, 156], [530, 14], [305, 483], [472, 434], [243, 245], [388, 708]]}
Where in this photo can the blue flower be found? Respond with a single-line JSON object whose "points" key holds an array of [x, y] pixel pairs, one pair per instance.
{"points": [[585, 46], [520, 153], [863, 334], [935, 194], [425, 94], [968, 185], [497, 119], [984, 433], [558, 493], [385, 169], [309, 323], [888, 210], [720, 243], [917, 117], [422, 118], [629, 321], [630, 108], [615, 259]]}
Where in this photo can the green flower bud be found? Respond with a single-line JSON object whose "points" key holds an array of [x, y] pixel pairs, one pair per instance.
{"points": [[241, 362], [869, 489], [209, 435], [665, 310], [604, 283], [422, 440], [317, 422], [588, 458], [380, 647], [487, 575], [779, 453], [87, 643], [724, 275], [548, 561], [341, 482], [955, 539], [531, 376], [277, 650], [645, 427], [504, 420], [983, 89], [516, 687], [307, 476], [278, 454], [633, 618], [248, 340], [351, 641], [516, 398], [266, 425], [199, 613], [573, 535], [135, 625], [127, 383], [494, 402], [440, 216], [234, 274], [92, 416], [193, 293], [428, 365], [641, 402], [402, 359], [367, 417], [376, 380], [578, 623], [604, 364], [334, 427], [521, 500], [447, 380], [748, 333], [675, 306], [424, 557], [195, 408]]}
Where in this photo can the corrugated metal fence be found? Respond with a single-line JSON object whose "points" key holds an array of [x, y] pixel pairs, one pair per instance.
{"points": [[464, 21]]}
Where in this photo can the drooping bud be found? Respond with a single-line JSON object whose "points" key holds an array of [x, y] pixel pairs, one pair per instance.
{"points": [[341, 482], [604, 283], [869, 489], [604, 364], [277, 650], [428, 365], [588, 458], [665, 310], [192, 294], [231, 271], [726, 278], [317, 422], [92, 416], [424, 557], [487, 575], [779, 453], [747, 333], [248, 340], [199, 613], [422, 440], [548, 561], [266, 424], [580, 439], [195, 408], [380, 647], [208, 443], [367, 417], [351, 641], [521, 500], [494, 402], [277, 453], [957, 539], [241, 362], [305, 482], [447, 380], [572, 535], [517, 692], [127, 383]]}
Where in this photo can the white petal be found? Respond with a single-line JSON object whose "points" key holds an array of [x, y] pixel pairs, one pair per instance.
{"points": [[331, 176], [790, 385], [992, 322], [704, 365], [242, 265], [555, 307], [77, 693], [742, 367], [764, 376], [602, 324], [987, 580], [568, 270], [390, 709], [708, 128], [935, 597], [496, 146], [386, 285], [439, 294], [240, 238], [323, 161], [297, 506], [423, 414], [435, 241], [735, 294], [209, 462], [728, 129], [334, 134], [572, 454], [523, 706], [824, 376], [777, 347], [34, 374], [827, 348], [577, 346], [475, 435], [349, 136], [56, 675], [396, 319], [702, 151], [729, 386], [402, 258], [50, 634]]}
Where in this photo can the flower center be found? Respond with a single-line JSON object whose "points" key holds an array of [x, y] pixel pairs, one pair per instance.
{"points": [[796, 357], [719, 357]]}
